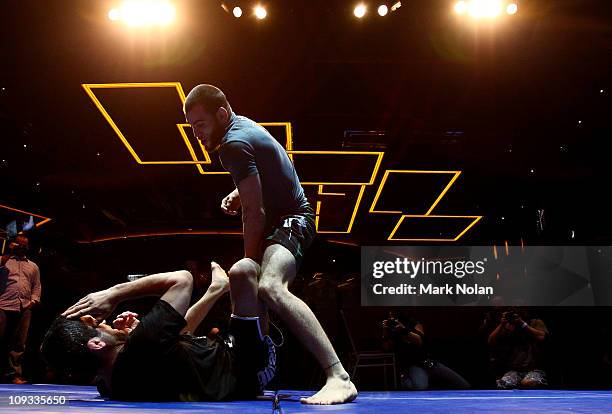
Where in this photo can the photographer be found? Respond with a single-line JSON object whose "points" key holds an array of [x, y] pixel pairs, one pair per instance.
{"points": [[406, 340], [516, 345]]}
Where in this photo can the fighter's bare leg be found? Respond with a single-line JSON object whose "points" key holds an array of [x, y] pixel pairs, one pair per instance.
{"points": [[243, 287], [264, 320], [278, 270], [218, 277], [218, 287]]}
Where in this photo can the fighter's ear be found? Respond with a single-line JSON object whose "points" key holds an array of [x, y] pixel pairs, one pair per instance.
{"points": [[222, 115], [96, 344]]}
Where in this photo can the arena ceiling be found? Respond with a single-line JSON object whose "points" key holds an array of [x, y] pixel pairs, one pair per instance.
{"points": [[417, 127]]}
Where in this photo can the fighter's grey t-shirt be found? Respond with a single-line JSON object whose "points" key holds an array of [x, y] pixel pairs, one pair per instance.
{"points": [[247, 149]]}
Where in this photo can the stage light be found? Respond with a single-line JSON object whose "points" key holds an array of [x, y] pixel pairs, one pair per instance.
{"points": [[460, 7], [260, 12], [484, 8], [141, 13], [396, 6], [360, 10], [237, 12], [383, 10], [114, 15]]}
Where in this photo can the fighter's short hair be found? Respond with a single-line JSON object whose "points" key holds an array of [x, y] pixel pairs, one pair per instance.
{"points": [[209, 97]]}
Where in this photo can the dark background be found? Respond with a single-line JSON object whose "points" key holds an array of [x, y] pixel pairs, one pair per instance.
{"points": [[501, 102]]}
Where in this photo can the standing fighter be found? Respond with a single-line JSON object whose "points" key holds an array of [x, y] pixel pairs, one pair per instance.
{"points": [[278, 222]]}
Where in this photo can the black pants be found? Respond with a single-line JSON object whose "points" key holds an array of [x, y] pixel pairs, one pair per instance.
{"points": [[14, 328], [419, 378]]}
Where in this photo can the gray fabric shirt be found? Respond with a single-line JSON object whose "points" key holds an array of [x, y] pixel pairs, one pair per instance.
{"points": [[247, 149], [22, 286]]}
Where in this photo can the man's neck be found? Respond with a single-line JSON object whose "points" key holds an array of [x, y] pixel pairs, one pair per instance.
{"points": [[105, 372], [230, 121]]}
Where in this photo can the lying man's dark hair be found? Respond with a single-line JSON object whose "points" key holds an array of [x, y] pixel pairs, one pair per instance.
{"points": [[64, 349]]}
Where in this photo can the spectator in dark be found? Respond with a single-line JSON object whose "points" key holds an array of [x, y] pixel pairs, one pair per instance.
{"points": [[516, 347], [19, 294], [406, 338], [604, 357]]}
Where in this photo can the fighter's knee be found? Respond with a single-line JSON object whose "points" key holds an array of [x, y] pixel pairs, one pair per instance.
{"points": [[244, 269], [183, 276], [269, 291], [237, 272]]}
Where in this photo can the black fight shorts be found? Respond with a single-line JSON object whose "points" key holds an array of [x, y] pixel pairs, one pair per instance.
{"points": [[295, 232]]}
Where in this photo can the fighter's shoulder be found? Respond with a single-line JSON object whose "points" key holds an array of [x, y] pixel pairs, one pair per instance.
{"points": [[245, 129], [234, 145]]}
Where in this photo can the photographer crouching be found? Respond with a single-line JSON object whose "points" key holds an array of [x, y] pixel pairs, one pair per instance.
{"points": [[517, 346], [418, 371]]}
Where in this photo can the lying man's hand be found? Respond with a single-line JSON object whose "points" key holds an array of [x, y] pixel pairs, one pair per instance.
{"points": [[98, 304], [126, 321]]}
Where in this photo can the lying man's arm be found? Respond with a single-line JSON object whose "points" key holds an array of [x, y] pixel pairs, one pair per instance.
{"points": [[174, 288], [218, 287]]}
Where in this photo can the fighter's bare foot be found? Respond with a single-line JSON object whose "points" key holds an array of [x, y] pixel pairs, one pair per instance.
{"points": [[220, 279], [337, 390]]}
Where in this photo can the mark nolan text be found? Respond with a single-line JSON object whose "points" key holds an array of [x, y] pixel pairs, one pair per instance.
{"points": [[430, 289]]}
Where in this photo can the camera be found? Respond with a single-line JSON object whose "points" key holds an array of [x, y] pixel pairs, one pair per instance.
{"points": [[510, 316], [392, 323]]}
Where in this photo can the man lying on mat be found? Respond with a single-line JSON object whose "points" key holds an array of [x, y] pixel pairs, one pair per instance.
{"points": [[156, 358]]}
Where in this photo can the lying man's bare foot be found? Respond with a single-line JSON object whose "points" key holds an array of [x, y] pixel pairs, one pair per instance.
{"points": [[337, 390], [220, 279]]}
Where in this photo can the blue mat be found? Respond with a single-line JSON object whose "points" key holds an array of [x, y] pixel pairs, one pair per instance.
{"points": [[87, 400]]}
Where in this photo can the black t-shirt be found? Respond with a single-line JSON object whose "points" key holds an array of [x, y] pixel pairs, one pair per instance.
{"points": [[248, 149], [518, 350], [406, 352], [159, 364]]}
